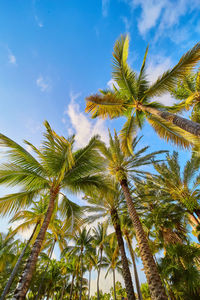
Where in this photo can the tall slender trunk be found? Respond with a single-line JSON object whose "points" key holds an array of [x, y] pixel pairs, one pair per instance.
{"points": [[114, 289], [193, 220], [89, 285], [98, 274], [125, 267], [153, 278], [137, 282], [16, 267], [80, 296], [23, 285], [71, 288], [44, 273], [185, 124]]}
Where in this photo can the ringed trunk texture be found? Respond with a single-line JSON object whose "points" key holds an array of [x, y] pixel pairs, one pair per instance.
{"points": [[71, 288], [98, 274], [185, 124], [153, 278], [137, 282], [125, 267], [16, 267], [23, 285]]}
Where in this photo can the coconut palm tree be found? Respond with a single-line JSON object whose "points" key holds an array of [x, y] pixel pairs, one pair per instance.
{"points": [[83, 245], [111, 262], [100, 235], [132, 97], [181, 187], [106, 205], [124, 169], [56, 169]]}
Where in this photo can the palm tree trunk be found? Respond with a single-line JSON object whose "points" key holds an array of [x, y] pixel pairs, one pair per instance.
{"points": [[98, 274], [23, 285], [114, 289], [16, 267], [137, 282], [89, 285], [185, 124], [125, 267], [43, 275], [71, 288], [80, 296], [153, 278]]}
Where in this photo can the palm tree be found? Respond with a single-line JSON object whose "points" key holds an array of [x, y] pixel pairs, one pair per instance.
{"points": [[91, 260], [181, 187], [57, 168], [112, 262], [107, 204], [83, 244], [99, 235], [132, 97], [124, 168], [128, 233]]}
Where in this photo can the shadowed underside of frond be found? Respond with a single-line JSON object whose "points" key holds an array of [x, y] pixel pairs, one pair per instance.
{"points": [[109, 105], [172, 133]]}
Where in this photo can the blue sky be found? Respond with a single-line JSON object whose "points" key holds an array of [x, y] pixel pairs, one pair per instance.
{"points": [[55, 53]]}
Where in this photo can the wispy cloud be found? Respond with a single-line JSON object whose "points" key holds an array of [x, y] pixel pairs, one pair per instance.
{"points": [[127, 23], [163, 15], [11, 58], [42, 83], [38, 21], [80, 124], [105, 5]]}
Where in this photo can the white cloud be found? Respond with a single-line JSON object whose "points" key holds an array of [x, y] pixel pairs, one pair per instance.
{"points": [[42, 83], [111, 82], [83, 127], [156, 67], [11, 58], [151, 10], [39, 23], [164, 14], [105, 4], [105, 284], [127, 23]]}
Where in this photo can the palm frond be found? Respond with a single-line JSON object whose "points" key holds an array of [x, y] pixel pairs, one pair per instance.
{"points": [[127, 134], [122, 74], [109, 105], [172, 133], [13, 202], [169, 79]]}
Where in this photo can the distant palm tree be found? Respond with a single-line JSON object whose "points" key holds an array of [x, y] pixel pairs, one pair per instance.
{"points": [[111, 262], [132, 97], [181, 187], [83, 245], [57, 168], [99, 235]]}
